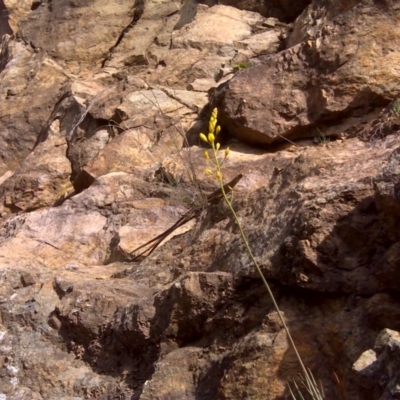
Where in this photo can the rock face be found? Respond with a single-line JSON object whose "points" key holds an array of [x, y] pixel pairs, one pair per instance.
{"points": [[101, 106], [335, 72], [380, 366]]}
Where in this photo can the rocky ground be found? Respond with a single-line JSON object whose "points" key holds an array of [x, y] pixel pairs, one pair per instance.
{"points": [[101, 106]]}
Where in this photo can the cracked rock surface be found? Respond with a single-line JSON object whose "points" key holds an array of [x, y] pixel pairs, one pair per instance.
{"points": [[101, 106]]}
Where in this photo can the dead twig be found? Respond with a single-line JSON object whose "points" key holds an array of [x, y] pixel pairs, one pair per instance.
{"points": [[213, 198]]}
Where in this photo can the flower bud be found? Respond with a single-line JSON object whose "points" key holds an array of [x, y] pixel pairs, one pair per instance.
{"points": [[213, 120], [217, 146], [206, 155], [211, 126], [211, 138], [203, 137], [227, 152]]}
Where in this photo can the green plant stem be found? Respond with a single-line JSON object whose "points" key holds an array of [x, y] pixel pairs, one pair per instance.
{"points": [[314, 391]]}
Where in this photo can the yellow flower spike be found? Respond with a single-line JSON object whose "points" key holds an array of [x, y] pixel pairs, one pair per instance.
{"points": [[203, 137], [217, 146], [227, 193], [206, 155], [211, 126], [213, 120]]}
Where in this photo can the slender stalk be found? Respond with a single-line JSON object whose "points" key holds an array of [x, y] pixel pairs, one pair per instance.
{"points": [[308, 382], [250, 253]]}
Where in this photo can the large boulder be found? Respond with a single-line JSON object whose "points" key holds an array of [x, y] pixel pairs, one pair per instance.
{"points": [[31, 83], [78, 34], [346, 65]]}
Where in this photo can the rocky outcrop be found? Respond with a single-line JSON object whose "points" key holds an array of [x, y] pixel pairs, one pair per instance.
{"points": [[379, 367], [101, 106], [69, 33], [337, 68]]}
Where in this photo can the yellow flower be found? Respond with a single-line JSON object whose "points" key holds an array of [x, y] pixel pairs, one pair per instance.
{"points": [[211, 126], [227, 152], [218, 175], [203, 137], [217, 130], [206, 155], [217, 146], [208, 171], [211, 138], [213, 121]]}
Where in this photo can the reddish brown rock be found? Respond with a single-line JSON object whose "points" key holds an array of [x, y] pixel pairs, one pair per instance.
{"points": [[339, 71], [95, 161], [30, 86]]}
